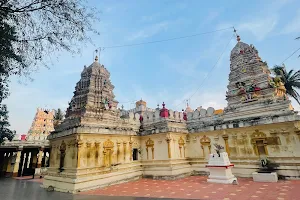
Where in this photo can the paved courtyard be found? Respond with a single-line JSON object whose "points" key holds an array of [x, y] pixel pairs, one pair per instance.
{"points": [[194, 187]]}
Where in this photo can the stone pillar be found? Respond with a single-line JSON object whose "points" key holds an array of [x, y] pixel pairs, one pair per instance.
{"points": [[24, 161], [79, 150], [118, 151], [225, 137], [124, 149], [169, 147], [40, 157], [152, 153], [39, 161], [130, 150], [8, 168], [17, 162], [97, 153]]}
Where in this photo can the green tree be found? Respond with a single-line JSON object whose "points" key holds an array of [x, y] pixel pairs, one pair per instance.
{"points": [[32, 31], [44, 28], [290, 79], [5, 132], [58, 115]]}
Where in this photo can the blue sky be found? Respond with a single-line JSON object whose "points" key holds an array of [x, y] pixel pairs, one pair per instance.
{"points": [[169, 71]]}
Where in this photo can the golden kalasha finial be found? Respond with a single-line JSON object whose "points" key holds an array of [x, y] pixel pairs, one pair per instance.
{"points": [[96, 59]]}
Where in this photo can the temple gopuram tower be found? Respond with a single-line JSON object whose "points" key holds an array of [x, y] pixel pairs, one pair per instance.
{"points": [[42, 125], [252, 92], [93, 138]]}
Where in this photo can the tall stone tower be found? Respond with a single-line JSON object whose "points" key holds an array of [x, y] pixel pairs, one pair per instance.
{"points": [[251, 90], [93, 95], [42, 125]]}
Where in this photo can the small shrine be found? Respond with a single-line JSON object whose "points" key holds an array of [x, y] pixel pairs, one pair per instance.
{"points": [[219, 167]]}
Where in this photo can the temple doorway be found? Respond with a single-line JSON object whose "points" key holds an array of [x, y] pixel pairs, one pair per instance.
{"points": [[135, 154]]}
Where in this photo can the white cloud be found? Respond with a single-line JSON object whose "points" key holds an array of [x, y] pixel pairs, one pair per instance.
{"points": [[259, 27], [215, 99], [150, 31], [293, 26]]}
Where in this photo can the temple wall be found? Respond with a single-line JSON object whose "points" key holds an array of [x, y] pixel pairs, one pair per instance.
{"points": [[278, 142]]}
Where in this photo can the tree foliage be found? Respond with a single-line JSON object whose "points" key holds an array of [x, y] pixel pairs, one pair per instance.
{"points": [[290, 79], [32, 31], [5, 132], [43, 27], [58, 115]]}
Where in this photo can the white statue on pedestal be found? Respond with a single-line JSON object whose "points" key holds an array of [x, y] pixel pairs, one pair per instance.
{"points": [[220, 169]]}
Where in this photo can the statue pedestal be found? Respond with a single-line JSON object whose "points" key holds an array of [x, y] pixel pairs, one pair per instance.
{"points": [[220, 169]]}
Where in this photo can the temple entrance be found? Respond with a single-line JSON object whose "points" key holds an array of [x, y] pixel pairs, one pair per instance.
{"points": [[135, 154]]}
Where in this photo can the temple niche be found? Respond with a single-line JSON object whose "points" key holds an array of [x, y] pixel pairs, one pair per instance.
{"points": [[99, 144]]}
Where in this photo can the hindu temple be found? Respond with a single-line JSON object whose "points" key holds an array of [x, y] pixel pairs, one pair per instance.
{"points": [[99, 144], [30, 154]]}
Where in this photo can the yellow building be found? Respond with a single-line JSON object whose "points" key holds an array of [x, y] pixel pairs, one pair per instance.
{"points": [[99, 145]]}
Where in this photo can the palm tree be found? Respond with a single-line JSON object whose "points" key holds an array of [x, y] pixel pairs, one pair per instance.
{"points": [[290, 79]]}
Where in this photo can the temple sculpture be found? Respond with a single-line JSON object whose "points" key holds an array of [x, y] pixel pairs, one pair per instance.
{"points": [[99, 144]]}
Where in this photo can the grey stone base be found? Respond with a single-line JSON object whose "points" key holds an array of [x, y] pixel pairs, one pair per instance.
{"points": [[172, 177]]}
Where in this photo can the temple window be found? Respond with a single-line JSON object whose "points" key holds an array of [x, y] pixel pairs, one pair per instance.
{"points": [[135, 154], [235, 125]]}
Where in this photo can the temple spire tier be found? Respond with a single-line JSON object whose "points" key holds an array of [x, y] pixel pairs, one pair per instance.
{"points": [[93, 92], [250, 81]]}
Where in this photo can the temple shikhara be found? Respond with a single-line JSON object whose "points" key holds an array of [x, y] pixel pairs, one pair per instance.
{"points": [[99, 144]]}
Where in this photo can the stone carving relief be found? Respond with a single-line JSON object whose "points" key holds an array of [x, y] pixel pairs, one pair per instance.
{"points": [[181, 146], [259, 142], [205, 142], [150, 144], [108, 146]]}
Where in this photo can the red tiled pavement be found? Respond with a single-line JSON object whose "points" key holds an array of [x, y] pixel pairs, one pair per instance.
{"points": [[196, 187]]}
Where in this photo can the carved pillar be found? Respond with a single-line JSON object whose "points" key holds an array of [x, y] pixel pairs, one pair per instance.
{"points": [[181, 145], [147, 153], [118, 151], [225, 137], [152, 153], [124, 150], [130, 150], [97, 144], [17, 163], [104, 158], [40, 157], [88, 153], [169, 147], [62, 149], [80, 145]]}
